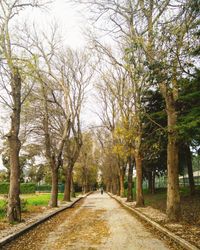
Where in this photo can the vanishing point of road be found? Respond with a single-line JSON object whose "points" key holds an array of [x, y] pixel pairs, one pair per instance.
{"points": [[98, 222]]}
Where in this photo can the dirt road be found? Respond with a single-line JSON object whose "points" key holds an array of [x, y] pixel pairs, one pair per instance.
{"points": [[99, 223]]}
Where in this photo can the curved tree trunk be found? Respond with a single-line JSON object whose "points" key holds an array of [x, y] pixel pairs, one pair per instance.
{"points": [[130, 181], [14, 208], [139, 193]]}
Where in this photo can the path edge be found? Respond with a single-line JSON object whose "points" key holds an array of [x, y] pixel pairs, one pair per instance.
{"points": [[7, 239], [185, 244]]}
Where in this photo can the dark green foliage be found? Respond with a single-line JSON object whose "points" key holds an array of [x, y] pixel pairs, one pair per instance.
{"points": [[155, 136], [25, 188], [189, 110], [44, 188], [47, 188], [4, 188]]}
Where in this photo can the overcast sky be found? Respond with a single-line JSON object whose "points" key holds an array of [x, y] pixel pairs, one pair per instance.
{"points": [[69, 18], [72, 22]]}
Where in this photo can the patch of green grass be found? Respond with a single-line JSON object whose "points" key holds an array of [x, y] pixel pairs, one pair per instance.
{"points": [[40, 199], [2, 209]]}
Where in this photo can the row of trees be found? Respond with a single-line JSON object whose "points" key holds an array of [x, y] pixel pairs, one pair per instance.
{"points": [[148, 92], [147, 86], [43, 86]]}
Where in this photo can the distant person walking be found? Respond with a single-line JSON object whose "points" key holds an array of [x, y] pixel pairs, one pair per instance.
{"points": [[101, 190]]}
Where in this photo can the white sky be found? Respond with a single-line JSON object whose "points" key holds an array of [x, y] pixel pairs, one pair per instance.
{"points": [[68, 17], [72, 23]]}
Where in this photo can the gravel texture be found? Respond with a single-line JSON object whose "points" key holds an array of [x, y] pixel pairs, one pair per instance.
{"points": [[97, 222]]}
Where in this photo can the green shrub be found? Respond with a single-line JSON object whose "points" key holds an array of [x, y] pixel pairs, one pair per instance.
{"points": [[44, 188], [25, 188], [4, 188]]}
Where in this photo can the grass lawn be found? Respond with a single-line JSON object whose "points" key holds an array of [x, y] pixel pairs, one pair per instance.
{"points": [[39, 199], [30, 202]]}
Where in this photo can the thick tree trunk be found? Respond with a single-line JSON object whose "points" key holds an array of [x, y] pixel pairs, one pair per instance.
{"points": [[121, 180], [68, 179], [190, 169], [139, 193], [54, 188], [130, 181], [14, 208], [173, 196]]}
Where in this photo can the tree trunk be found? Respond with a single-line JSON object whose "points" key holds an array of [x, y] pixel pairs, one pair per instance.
{"points": [[153, 182], [68, 179], [173, 196], [139, 193], [130, 181], [118, 185], [114, 185], [190, 169], [14, 208], [150, 181], [121, 180], [73, 194], [54, 188]]}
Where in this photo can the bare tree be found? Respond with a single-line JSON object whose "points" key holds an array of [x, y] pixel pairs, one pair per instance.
{"points": [[78, 76], [12, 76], [149, 26]]}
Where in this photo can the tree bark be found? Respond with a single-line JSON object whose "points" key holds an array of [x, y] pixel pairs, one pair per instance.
{"points": [[121, 180], [54, 188], [190, 169], [68, 179], [150, 181], [153, 182], [173, 196], [130, 181], [139, 193], [14, 208], [73, 193]]}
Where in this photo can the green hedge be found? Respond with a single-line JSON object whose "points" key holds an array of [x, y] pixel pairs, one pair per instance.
{"points": [[25, 188], [44, 188], [4, 187], [47, 188]]}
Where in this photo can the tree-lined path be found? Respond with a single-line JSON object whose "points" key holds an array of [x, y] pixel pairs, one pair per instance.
{"points": [[98, 223]]}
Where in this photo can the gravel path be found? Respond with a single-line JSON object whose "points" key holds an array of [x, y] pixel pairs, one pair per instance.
{"points": [[98, 223]]}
